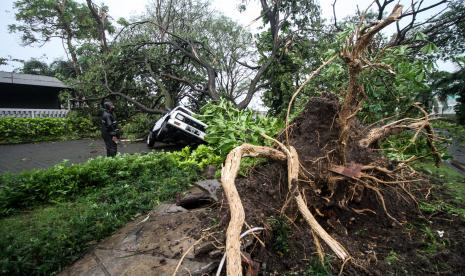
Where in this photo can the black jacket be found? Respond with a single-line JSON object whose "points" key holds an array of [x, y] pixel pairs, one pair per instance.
{"points": [[109, 125]]}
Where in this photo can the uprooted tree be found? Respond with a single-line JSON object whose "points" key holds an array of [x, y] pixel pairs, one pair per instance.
{"points": [[343, 169]]}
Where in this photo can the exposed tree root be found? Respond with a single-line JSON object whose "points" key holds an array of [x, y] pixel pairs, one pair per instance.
{"points": [[321, 184], [420, 125], [293, 173], [228, 176]]}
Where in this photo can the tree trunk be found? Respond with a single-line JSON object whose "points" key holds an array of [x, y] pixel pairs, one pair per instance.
{"points": [[68, 34], [169, 101], [100, 20], [73, 54], [353, 54]]}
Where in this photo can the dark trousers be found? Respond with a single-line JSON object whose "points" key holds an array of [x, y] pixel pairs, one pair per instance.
{"points": [[112, 147]]}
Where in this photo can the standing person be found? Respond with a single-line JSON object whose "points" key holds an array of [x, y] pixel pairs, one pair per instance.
{"points": [[109, 129]]}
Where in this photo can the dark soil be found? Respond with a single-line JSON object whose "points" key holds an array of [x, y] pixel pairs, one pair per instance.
{"points": [[376, 243]]}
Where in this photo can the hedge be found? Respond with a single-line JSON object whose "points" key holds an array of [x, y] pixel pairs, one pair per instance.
{"points": [[25, 130]]}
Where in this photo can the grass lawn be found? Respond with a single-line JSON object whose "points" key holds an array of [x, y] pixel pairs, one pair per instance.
{"points": [[451, 182]]}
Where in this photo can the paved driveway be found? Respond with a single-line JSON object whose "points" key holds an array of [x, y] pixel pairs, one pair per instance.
{"points": [[16, 158]]}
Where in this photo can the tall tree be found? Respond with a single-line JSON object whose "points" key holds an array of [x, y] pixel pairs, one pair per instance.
{"points": [[39, 21], [100, 16], [181, 50], [36, 67], [42, 20], [452, 84], [294, 27]]}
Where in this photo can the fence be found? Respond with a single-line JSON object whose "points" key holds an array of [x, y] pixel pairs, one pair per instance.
{"points": [[33, 113]]}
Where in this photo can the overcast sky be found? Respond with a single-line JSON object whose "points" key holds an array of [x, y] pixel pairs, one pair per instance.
{"points": [[11, 44]]}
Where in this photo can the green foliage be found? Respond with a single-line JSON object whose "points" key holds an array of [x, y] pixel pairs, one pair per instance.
{"points": [[86, 202], [36, 67], [229, 127], [392, 257], [293, 60], [65, 182], [451, 179], [21, 130], [284, 73], [316, 268], [389, 94], [201, 157], [447, 84], [441, 206], [434, 243], [138, 126], [280, 232], [450, 129], [450, 39], [401, 146], [79, 124], [40, 20], [390, 89]]}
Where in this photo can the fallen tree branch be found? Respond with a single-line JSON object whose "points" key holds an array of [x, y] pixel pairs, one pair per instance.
{"points": [[377, 134]]}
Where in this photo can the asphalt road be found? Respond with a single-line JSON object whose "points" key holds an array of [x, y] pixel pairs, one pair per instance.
{"points": [[16, 158], [457, 150]]}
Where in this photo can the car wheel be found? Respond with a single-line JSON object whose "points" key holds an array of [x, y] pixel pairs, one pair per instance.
{"points": [[151, 139]]}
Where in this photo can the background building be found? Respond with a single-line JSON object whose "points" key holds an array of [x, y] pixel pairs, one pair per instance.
{"points": [[25, 95]]}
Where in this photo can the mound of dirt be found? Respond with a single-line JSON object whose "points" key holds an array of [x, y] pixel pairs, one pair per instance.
{"points": [[351, 213]]}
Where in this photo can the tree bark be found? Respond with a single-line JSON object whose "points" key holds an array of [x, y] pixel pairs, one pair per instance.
{"points": [[68, 36], [353, 55], [100, 21], [228, 176], [378, 134]]}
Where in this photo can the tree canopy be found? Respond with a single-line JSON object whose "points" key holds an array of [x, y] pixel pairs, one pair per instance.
{"points": [[184, 51]]}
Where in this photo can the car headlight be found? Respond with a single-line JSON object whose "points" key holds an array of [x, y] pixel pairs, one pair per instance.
{"points": [[179, 117]]}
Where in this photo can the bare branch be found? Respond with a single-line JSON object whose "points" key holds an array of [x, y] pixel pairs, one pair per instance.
{"points": [[127, 98], [334, 15], [189, 83]]}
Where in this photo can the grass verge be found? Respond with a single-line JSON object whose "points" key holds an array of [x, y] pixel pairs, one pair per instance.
{"points": [[450, 181]]}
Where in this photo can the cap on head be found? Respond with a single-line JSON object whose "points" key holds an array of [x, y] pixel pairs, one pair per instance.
{"points": [[108, 105]]}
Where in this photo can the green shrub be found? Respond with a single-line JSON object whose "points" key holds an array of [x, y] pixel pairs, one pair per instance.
{"points": [[52, 216], [80, 125], [201, 157], [316, 268], [280, 232], [43, 240], [450, 129], [138, 126], [21, 130], [65, 182], [229, 127], [400, 147]]}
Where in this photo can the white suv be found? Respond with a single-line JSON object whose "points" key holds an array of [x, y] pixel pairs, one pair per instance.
{"points": [[177, 126]]}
